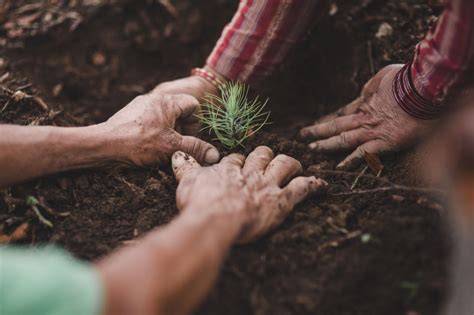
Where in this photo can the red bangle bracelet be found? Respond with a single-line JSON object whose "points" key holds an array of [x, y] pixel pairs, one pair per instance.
{"points": [[410, 100], [208, 76]]}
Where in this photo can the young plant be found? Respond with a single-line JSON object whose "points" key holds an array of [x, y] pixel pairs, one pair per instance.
{"points": [[231, 116]]}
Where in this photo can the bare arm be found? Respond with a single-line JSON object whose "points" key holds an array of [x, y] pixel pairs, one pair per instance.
{"points": [[171, 269], [174, 266], [27, 152], [142, 133]]}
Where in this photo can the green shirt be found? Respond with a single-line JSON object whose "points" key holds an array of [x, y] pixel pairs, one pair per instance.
{"points": [[47, 281]]}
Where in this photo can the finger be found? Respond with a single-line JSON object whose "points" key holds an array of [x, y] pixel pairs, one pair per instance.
{"points": [[349, 109], [204, 152], [258, 160], [333, 127], [182, 106], [183, 164], [344, 141], [282, 168], [301, 187], [354, 159], [234, 160]]}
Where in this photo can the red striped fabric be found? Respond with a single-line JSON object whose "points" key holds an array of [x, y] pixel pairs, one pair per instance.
{"points": [[299, 15], [252, 38], [259, 37], [229, 32], [443, 62]]}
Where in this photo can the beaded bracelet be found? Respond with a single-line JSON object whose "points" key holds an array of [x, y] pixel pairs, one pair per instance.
{"points": [[208, 76]]}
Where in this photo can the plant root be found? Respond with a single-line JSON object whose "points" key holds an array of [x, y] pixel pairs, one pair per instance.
{"points": [[33, 203]]}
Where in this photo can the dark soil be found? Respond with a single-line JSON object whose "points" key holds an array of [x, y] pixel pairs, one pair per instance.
{"points": [[369, 253]]}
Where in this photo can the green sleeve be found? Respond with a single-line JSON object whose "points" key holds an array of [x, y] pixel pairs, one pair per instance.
{"points": [[47, 281]]}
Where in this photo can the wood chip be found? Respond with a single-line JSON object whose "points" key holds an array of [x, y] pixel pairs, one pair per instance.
{"points": [[374, 163], [20, 233]]}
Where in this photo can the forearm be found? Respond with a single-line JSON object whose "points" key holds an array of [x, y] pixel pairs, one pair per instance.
{"points": [[173, 267], [31, 151], [260, 35]]}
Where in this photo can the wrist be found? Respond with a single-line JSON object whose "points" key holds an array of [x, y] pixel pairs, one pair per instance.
{"points": [[221, 77], [408, 98], [103, 143], [212, 79], [79, 147], [229, 222]]}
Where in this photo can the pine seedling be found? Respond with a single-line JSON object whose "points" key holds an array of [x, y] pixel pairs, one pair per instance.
{"points": [[232, 116]]}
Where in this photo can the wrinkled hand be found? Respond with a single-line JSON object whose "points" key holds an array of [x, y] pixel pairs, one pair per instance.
{"points": [[144, 130], [254, 190], [373, 123], [194, 86]]}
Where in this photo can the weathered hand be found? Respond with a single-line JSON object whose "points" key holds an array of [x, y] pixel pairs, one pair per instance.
{"points": [[252, 190], [144, 130], [372, 123], [194, 86]]}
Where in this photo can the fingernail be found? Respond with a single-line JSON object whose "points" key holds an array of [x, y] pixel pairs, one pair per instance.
{"points": [[178, 159], [313, 145], [341, 165], [321, 182], [212, 156]]}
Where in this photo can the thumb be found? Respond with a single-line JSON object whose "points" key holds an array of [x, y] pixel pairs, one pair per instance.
{"points": [[183, 164], [203, 152]]}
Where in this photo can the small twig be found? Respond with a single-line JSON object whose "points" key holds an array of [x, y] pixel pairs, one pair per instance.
{"points": [[5, 106], [368, 176], [169, 7], [394, 187], [359, 176], [134, 188], [18, 96], [337, 242], [331, 223]]}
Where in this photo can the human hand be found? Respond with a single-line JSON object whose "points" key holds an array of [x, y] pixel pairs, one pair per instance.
{"points": [[253, 190], [373, 123], [144, 131], [195, 86], [192, 85]]}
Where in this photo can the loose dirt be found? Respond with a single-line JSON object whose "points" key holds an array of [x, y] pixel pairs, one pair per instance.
{"points": [[379, 252]]}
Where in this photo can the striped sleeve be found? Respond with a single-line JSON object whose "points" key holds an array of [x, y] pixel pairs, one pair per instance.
{"points": [[443, 61], [260, 35]]}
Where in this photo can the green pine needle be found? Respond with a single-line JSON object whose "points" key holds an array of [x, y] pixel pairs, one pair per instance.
{"points": [[231, 116]]}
